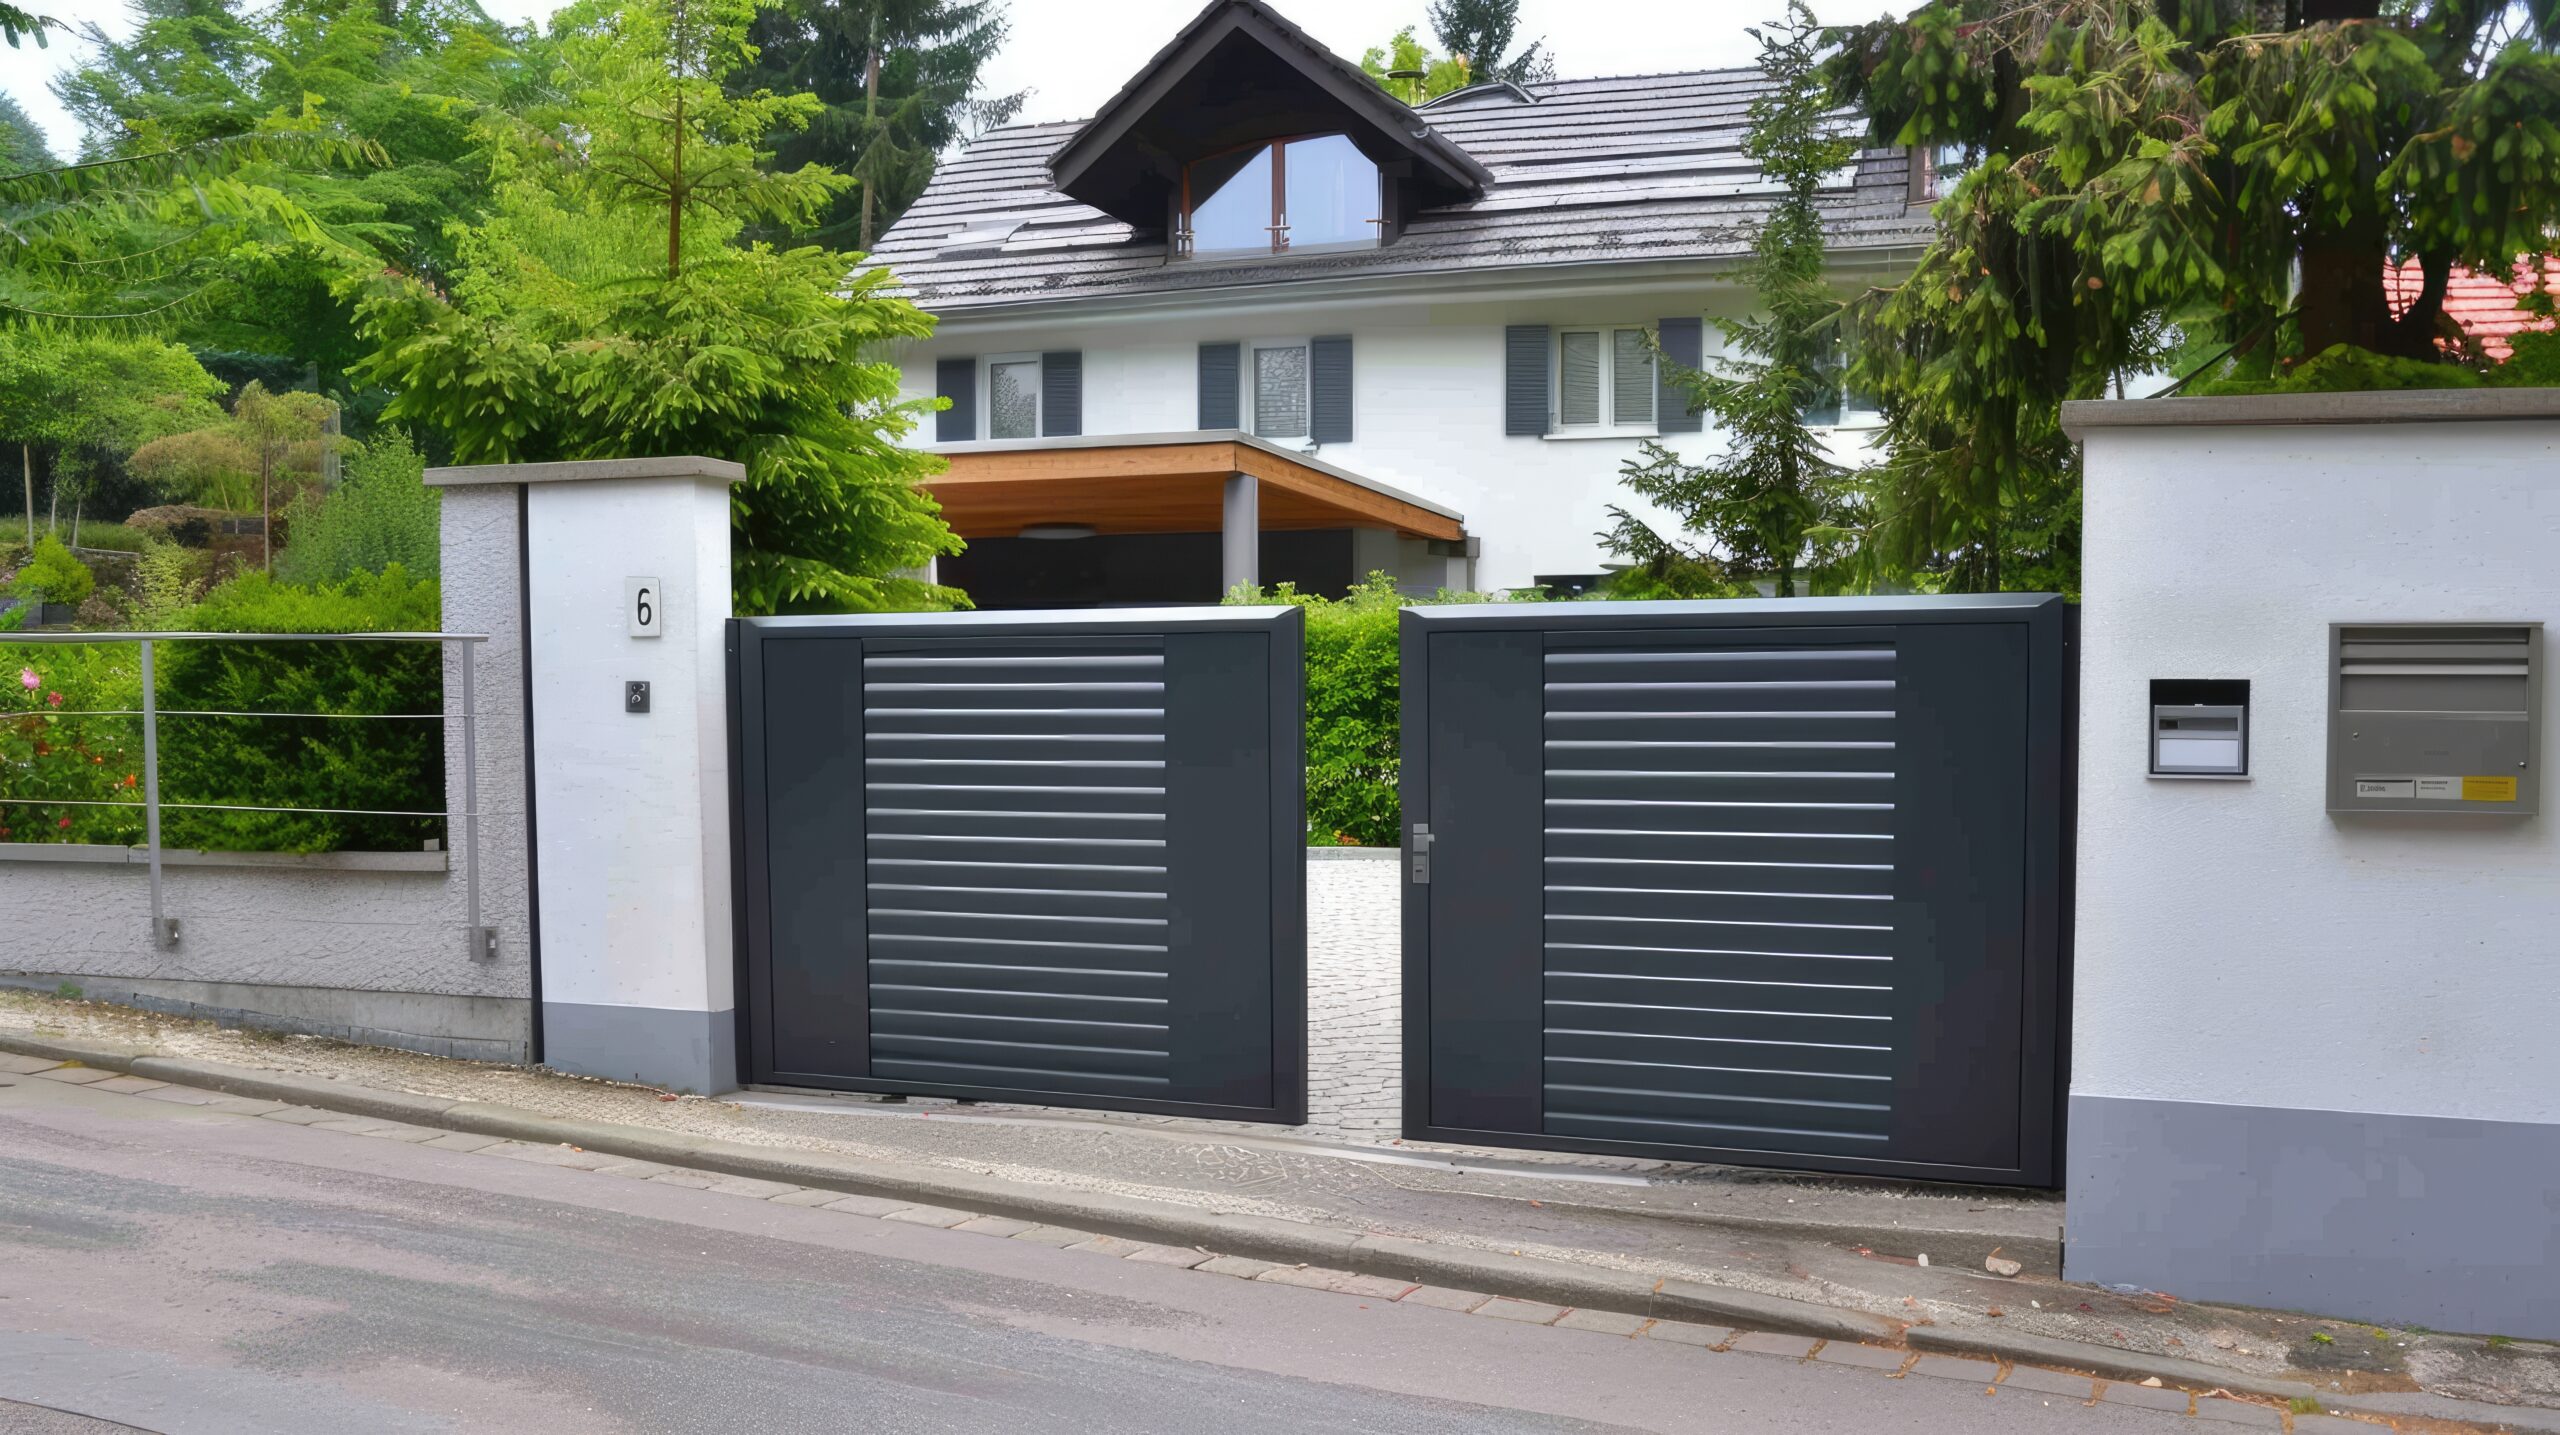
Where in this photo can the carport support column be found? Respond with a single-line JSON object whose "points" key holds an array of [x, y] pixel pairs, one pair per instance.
{"points": [[1240, 534], [630, 799]]}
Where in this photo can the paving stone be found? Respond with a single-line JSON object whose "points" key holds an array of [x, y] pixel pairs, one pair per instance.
{"points": [[1241, 1267], [462, 1141], [2331, 1425], [298, 1115], [1864, 1357], [1179, 1257], [240, 1105], [1762, 1342], [998, 1226], [941, 1218], [1445, 1298], [635, 1170], [2240, 1412], [75, 1075], [16, 1065], [1112, 1246], [676, 1176], [129, 1085], [2151, 1397], [1602, 1322], [351, 1125], [1958, 1368], [2028, 1378], [1055, 1236], [806, 1196], [551, 1154], [1682, 1332], [401, 1131], [751, 1186], [872, 1206], [1529, 1312], [179, 1095], [1324, 1278]]}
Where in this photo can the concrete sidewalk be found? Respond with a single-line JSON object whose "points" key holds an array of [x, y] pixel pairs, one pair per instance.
{"points": [[1827, 1257]]}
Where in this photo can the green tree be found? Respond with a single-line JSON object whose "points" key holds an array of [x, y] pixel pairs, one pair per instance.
{"points": [[1478, 34], [380, 514], [2240, 169], [608, 308], [1771, 501], [897, 83], [22, 145], [1408, 56], [404, 81], [74, 399]]}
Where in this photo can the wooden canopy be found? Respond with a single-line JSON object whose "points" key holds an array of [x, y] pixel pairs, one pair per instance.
{"points": [[1162, 484]]}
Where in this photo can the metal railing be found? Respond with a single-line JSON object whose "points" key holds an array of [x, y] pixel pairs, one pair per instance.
{"points": [[481, 939]]}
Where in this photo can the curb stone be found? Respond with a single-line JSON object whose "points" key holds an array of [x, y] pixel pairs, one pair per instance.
{"points": [[1256, 1238]]}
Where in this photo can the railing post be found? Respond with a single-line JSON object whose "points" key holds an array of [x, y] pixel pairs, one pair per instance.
{"points": [[164, 929], [482, 940]]}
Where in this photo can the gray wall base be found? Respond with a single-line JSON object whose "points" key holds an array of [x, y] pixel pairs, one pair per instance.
{"points": [[473, 1028], [2437, 1221], [693, 1051]]}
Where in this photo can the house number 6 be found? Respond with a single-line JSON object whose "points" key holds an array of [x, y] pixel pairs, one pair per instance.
{"points": [[641, 601]]}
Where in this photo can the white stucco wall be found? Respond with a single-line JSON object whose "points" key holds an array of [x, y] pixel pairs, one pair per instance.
{"points": [[633, 818], [1427, 397], [2236, 943]]}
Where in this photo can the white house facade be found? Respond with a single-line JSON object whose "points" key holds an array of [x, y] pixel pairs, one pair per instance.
{"points": [[1257, 321]]}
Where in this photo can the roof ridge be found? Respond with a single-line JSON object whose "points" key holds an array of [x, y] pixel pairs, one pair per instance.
{"points": [[1540, 85]]}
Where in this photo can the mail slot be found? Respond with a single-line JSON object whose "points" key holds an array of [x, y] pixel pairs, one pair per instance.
{"points": [[2199, 727], [2435, 717]]}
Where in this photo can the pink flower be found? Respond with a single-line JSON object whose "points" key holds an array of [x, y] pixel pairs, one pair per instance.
{"points": [[27, 679], [64, 824], [54, 698]]}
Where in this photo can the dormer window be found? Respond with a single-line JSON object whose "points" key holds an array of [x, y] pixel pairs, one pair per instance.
{"points": [[1286, 196]]}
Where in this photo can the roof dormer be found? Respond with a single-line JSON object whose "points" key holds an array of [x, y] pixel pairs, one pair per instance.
{"points": [[1245, 136]]}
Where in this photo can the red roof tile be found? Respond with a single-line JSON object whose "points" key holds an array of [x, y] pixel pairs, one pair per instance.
{"points": [[2483, 304]]}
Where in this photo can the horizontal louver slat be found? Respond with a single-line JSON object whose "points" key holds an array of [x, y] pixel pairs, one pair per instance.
{"points": [[1018, 907], [1720, 928]]}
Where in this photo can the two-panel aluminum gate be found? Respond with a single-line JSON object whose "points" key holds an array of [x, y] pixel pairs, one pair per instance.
{"points": [[1026, 856], [1772, 883]]}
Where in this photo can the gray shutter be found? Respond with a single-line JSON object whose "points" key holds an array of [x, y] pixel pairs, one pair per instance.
{"points": [[1220, 407], [1683, 346], [956, 380], [1329, 389], [1062, 393], [1524, 379]]}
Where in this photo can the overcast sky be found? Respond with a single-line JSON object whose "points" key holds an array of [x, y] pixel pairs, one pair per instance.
{"points": [[1072, 54]]}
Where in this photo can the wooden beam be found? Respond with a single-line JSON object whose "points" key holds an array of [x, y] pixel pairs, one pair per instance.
{"points": [[1158, 488]]}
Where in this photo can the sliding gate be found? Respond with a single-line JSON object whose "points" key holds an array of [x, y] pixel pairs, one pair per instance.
{"points": [[1772, 883], [1046, 857]]}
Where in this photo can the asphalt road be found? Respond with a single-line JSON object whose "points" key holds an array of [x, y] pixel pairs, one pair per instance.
{"points": [[168, 1268]]}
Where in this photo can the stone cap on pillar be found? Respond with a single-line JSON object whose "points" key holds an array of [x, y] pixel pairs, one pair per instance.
{"points": [[679, 466]]}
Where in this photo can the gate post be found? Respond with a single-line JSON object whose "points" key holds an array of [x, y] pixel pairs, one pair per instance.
{"points": [[626, 591]]}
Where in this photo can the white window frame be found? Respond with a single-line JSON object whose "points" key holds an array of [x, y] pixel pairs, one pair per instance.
{"points": [[1245, 378], [987, 394], [1609, 425]]}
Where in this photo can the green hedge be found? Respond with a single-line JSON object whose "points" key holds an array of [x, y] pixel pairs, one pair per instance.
{"points": [[370, 762]]}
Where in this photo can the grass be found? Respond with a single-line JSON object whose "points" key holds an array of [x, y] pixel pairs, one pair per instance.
{"points": [[113, 536], [2303, 1405]]}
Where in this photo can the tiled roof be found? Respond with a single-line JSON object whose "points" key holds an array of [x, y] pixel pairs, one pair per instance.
{"points": [[2483, 304], [1642, 167]]}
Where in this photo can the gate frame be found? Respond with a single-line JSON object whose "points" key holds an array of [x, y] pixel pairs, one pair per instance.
{"points": [[2052, 758], [749, 854]]}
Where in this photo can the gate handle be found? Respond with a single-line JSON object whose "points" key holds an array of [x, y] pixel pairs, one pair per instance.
{"points": [[1418, 853]]}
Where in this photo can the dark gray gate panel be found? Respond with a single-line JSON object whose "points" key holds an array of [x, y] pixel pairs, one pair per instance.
{"points": [[1777, 883], [1030, 856]]}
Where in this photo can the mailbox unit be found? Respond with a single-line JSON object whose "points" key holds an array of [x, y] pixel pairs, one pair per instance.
{"points": [[2435, 717]]}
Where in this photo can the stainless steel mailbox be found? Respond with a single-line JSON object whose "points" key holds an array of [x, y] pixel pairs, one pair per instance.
{"points": [[2435, 717]]}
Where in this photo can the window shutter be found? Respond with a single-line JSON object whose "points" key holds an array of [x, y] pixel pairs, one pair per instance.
{"points": [[1524, 379], [1219, 403], [956, 380], [1673, 406], [1062, 393], [1329, 389]]}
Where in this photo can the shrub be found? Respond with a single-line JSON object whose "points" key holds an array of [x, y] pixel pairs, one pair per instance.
{"points": [[369, 762], [164, 582], [55, 758], [2341, 368], [52, 575], [1353, 706], [381, 513]]}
